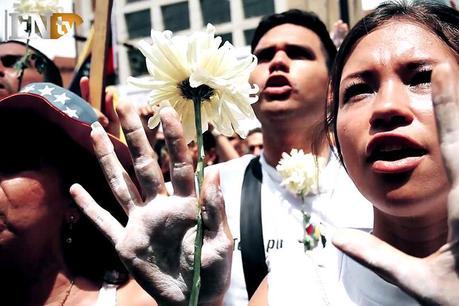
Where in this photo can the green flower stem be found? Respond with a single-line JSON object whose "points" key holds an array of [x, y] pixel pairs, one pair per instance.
{"points": [[200, 177], [25, 59], [200, 142]]}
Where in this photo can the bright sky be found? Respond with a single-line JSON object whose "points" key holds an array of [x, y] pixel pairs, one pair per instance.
{"points": [[64, 46]]}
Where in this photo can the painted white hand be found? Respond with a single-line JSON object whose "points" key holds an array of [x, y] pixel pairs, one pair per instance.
{"points": [[157, 244]]}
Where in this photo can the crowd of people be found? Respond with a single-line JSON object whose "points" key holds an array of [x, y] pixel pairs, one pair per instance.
{"points": [[87, 219]]}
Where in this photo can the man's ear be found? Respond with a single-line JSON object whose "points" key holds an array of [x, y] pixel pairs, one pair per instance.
{"points": [[329, 108], [211, 157], [329, 95]]}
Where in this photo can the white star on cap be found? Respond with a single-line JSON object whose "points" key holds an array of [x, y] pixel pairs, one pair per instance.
{"points": [[29, 88], [71, 112], [46, 91], [61, 98]]}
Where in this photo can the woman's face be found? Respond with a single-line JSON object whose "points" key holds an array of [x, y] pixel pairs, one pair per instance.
{"points": [[385, 122], [32, 205]]}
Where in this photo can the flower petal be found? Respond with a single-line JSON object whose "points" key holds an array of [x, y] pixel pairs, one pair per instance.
{"points": [[202, 60]]}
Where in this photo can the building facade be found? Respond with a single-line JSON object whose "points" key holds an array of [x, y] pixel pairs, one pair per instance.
{"points": [[234, 20]]}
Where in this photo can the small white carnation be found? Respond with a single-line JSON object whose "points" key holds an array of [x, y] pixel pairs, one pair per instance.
{"points": [[299, 172]]}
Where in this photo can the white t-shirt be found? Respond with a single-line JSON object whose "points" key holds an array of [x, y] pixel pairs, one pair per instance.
{"points": [[338, 204], [328, 277], [107, 295]]}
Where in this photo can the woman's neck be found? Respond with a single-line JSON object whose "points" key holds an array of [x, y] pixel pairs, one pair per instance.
{"points": [[416, 236], [39, 282]]}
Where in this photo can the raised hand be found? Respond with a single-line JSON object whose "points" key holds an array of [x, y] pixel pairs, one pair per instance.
{"points": [[146, 112], [433, 280], [339, 32], [109, 120], [157, 244]]}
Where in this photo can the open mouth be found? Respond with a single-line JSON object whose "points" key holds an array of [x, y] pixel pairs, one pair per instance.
{"points": [[394, 154], [277, 81], [276, 86]]}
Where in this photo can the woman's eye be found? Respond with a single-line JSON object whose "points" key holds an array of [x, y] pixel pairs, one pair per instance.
{"points": [[422, 78], [356, 92]]}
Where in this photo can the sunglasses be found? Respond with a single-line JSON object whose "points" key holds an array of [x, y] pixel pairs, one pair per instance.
{"points": [[253, 147], [9, 60]]}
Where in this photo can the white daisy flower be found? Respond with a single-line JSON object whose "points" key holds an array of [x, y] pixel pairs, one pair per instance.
{"points": [[299, 172], [183, 67], [41, 7]]}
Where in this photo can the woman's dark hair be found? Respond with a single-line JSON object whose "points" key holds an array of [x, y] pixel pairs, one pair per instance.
{"points": [[437, 18], [308, 20]]}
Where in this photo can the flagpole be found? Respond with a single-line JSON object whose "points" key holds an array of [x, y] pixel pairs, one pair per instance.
{"points": [[344, 10], [98, 52]]}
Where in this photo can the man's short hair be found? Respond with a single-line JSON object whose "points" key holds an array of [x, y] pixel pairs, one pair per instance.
{"points": [[305, 19], [255, 130], [50, 72]]}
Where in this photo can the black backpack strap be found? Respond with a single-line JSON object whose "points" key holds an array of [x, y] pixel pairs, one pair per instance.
{"points": [[252, 246]]}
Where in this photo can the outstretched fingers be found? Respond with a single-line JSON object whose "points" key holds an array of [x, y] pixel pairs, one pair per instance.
{"points": [[382, 258], [113, 126], [213, 205], [181, 165], [217, 235], [146, 167], [445, 97], [445, 101], [106, 223], [218, 242], [118, 179]]}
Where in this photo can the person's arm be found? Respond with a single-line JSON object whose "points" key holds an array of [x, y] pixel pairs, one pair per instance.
{"points": [[225, 150], [157, 244], [339, 32], [432, 280], [260, 297], [109, 120]]}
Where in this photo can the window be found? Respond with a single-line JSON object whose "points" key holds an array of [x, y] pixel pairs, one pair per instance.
{"points": [[138, 24], [176, 16], [215, 11], [248, 35], [137, 62], [226, 37], [257, 7]]}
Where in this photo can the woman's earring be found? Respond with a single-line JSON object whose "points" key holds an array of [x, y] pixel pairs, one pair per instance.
{"points": [[72, 219]]}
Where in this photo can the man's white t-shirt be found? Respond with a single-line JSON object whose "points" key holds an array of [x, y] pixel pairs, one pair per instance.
{"points": [[338, 204]]}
